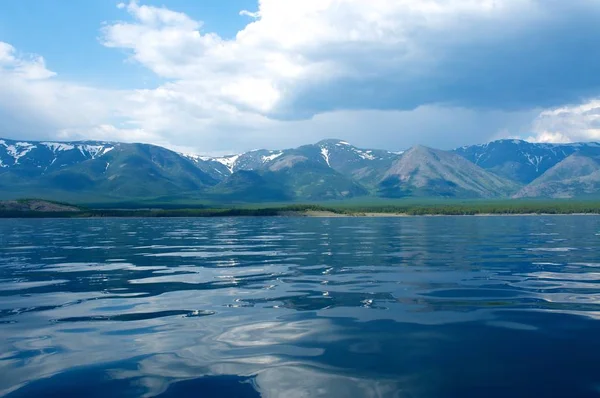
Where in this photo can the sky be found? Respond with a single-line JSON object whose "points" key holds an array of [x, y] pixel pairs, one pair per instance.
{"points": [[226, 76]]}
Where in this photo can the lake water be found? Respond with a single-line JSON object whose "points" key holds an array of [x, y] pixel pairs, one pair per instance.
{"points": [[301, 307]]}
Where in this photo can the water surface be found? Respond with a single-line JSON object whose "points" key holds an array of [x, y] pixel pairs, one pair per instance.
{"points": [[301, 307]]}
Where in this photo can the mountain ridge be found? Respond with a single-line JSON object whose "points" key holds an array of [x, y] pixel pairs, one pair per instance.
{"points": [[330, 169]]}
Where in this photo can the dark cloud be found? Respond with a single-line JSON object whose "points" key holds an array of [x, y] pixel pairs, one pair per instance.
{"points": [[500, 64]]}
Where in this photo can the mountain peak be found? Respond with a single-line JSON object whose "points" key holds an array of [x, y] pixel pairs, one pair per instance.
{"points": [[421, 171], [333, 141], [420, 150], [515, 141], [420, 147]]}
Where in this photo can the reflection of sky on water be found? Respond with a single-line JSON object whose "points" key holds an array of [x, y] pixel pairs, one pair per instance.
{"points": [[301, 307]]}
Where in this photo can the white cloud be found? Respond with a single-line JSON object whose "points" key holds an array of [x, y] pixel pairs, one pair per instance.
{"points": [[28, 67], [572, 123], [294, 45], [36, 104], [383, 73]]}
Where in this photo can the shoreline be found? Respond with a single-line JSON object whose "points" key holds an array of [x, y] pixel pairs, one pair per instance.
{"points": [[35, 208], [283, 214], [325, 214]]}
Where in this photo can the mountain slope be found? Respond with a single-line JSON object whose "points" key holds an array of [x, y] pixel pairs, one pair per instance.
{"points": [[250, 186], [366, 166], [576, 176], [110, 170], [290, 176], [519, 160], [313, 180], [423, 171]]}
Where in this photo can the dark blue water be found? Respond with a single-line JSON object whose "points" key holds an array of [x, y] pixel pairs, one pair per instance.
{"points": [[298, 307]]}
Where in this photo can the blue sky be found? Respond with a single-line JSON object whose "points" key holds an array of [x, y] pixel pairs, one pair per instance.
{"points": [[69, 38], [202, 76]]}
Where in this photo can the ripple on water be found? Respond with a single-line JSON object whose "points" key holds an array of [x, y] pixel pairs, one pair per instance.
{"points": [[313, 307]]}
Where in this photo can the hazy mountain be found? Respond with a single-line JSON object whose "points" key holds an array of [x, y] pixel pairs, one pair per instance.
{"points": [[330, 169], [576, 176], [423, 171], [519, 160]]}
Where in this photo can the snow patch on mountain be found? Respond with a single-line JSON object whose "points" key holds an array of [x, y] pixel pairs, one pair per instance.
{"points": [[92, 150], [534, 160], [478, 157], [325, 154], [228, 161], [270, 158], [196, 158], [87, 150], [18, 150], [58, 146], [366, 155]]}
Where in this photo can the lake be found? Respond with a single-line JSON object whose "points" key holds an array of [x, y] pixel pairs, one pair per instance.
{"points": [[301, 307]]}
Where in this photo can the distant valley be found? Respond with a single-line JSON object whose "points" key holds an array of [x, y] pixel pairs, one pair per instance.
{"points": [[328, 170]]}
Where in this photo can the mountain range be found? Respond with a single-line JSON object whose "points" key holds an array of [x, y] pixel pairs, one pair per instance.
{"points": [[327, 170]]}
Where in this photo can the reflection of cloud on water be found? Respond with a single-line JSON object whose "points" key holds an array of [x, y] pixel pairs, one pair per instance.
{"points": [[220, 347], [272, 351], [301, 382]]}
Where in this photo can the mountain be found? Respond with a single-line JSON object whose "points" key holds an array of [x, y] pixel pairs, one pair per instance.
{"points": [[97, 169], [298, 173], [423, 171], [576, 176], [519, 160], [251, 186], [364, 165], [108, 170], [328, 170], [313, 178], [221, 167]]}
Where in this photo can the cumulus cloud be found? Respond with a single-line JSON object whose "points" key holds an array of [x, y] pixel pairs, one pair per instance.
{"points": [[381, 73], [300, 58], [569, 123], [28, 67], [34, 104]]}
